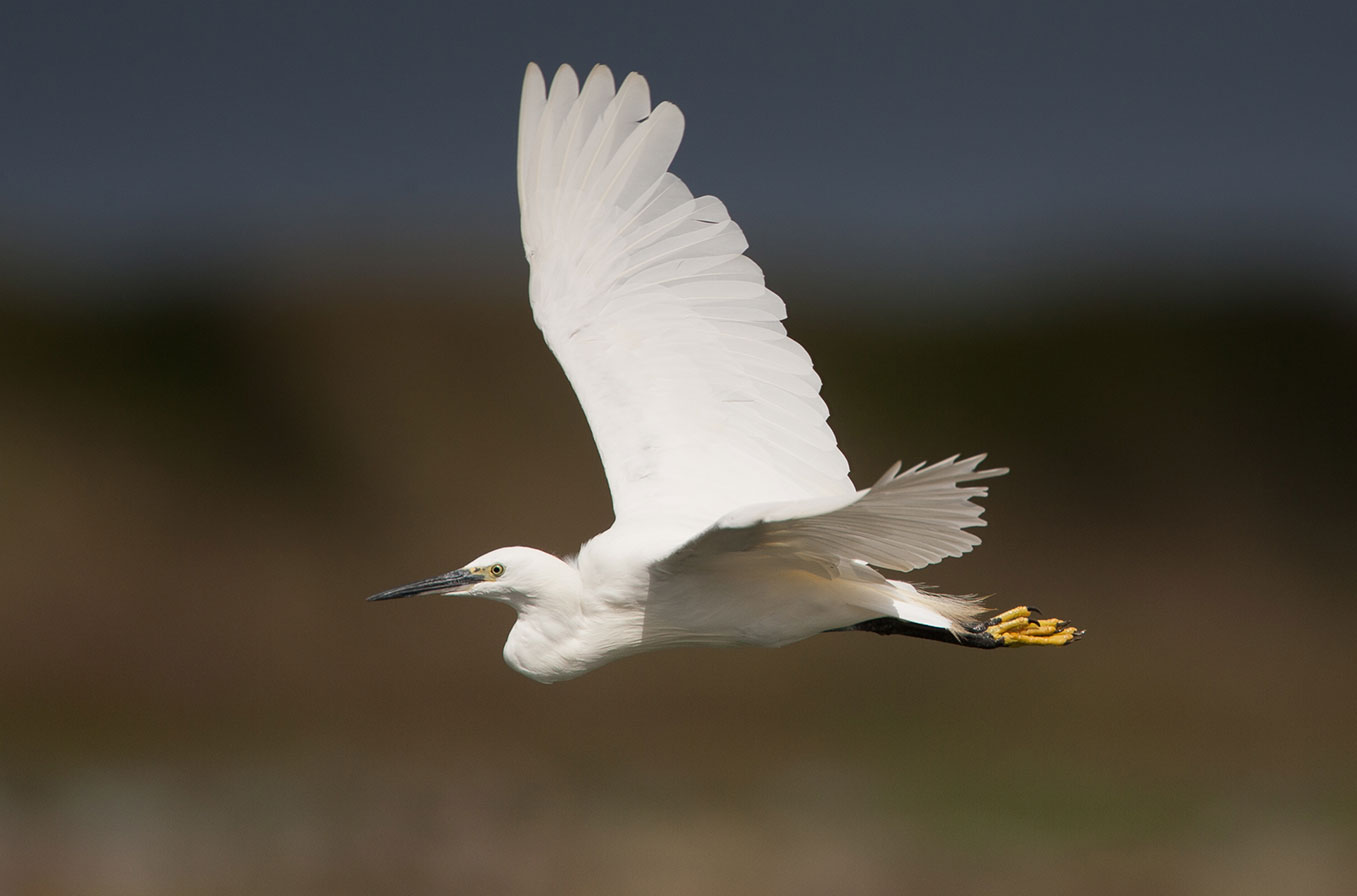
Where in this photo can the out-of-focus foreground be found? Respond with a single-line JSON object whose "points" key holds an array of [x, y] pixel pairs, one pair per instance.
{"points": [[198, 494]]}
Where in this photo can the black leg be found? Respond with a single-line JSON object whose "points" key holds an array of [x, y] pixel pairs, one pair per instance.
{"points": [[973, 634]]}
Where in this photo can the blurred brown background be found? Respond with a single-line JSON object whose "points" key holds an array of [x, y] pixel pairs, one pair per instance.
{"points": [[265, 350], [196, 698]]}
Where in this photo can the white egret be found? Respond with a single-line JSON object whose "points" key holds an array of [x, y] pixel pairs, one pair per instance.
{"points": [[735, 520]]}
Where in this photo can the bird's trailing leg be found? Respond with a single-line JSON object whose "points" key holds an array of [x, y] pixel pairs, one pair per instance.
{"points": [[1012, 628]]}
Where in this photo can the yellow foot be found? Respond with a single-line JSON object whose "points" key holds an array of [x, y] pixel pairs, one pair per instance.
{"points": [[1016, 628]]}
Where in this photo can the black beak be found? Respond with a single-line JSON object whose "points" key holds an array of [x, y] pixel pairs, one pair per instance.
{"points": [[448, 581]]}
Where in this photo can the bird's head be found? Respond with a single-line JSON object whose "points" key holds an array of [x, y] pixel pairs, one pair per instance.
{"points": [[509, 575]]}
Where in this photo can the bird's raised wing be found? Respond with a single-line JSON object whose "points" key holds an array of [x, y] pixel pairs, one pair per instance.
{"points": [[698, 400]]}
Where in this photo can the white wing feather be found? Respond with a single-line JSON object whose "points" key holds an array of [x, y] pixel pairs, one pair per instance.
{"points": [[903, 522], [698, 400]]}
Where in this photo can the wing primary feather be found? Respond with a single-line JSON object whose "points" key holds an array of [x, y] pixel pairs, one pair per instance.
{"points": [[529, 122], [888, 475]]}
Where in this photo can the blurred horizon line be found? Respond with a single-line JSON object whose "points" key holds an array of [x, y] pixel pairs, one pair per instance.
{"points": [[1206, 268]]}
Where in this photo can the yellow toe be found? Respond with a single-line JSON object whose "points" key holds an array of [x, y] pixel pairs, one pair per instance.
{"points": [[1016, 628]]}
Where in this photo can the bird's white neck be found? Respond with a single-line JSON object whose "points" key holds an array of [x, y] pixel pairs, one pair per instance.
{"points": [[575, 618]]}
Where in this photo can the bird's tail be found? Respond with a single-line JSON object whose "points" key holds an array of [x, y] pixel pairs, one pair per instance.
{"points": [[950, 611]]}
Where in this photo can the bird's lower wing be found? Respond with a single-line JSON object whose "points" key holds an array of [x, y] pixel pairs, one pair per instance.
{"points": [[903, 522]]}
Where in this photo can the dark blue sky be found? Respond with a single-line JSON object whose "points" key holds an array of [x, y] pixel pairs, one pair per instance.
{"points": [[937, 137]]}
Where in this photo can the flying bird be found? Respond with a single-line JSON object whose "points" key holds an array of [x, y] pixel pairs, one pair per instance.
{"points": [[735, 519]]}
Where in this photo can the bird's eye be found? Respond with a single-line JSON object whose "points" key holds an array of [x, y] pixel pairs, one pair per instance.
{"points": [[497, 570]]}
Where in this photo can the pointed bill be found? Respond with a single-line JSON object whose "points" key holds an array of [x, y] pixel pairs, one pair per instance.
{"points": [[447, 583]]}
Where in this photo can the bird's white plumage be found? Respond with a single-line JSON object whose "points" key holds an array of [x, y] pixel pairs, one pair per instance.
{"points": [[736, 522], [905, 521], [698, 400]]}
